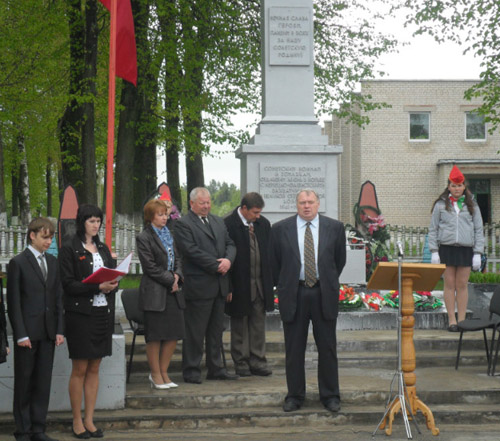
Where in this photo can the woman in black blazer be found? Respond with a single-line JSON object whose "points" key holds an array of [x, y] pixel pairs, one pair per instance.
{"points": [[89, 315], [159, 296]]}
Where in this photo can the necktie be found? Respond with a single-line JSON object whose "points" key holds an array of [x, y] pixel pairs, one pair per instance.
{"points": [[459, 201], [43, 267], [309, 257], [251, 231], [205, 220]]}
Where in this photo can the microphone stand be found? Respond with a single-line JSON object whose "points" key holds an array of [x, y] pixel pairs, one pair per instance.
{"points": [[401, 396]]}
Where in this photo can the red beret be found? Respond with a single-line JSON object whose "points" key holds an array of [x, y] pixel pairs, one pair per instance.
{"points": [[456, 175]]}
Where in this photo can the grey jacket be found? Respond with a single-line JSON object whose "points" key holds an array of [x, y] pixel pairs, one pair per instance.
{"points": [[452, 228]]}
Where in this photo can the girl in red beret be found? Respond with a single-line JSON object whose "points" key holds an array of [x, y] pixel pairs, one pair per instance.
{"points": [[456, 239]]}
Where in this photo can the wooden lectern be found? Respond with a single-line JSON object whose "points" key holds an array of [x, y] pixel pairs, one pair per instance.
{"points": [[418, 277]]}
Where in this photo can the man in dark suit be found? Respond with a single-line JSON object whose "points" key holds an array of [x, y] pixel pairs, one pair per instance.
{"points": [[252, 286], [309, 253], [34, 295], [207, 255]]}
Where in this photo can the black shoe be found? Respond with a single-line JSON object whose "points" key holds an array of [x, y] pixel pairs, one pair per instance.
{"points": [[41, 437], [291, 405], [243, 372], [98, 433], [453, 328], [82, 435], [261, 372], [192, 380], [222, 376], [332, 405]]}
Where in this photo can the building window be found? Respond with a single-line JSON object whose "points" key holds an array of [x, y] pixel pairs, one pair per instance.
{"points": [[420, 126], [475, 127]]}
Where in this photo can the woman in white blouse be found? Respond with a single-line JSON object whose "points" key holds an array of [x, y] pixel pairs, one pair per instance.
{"points": [[89, 315]]}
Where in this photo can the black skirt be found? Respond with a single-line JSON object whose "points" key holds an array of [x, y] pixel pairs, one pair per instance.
{"points": [[89, 336], [456, 256], [165, 325]]}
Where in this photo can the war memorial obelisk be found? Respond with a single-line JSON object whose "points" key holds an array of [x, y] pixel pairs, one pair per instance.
{"points": [[288, 151]]}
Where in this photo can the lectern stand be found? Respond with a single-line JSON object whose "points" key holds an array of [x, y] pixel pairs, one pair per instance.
{"points": [[418, 277]]}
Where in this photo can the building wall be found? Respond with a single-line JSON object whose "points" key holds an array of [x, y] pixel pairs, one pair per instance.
{"points": [[410, 175]]}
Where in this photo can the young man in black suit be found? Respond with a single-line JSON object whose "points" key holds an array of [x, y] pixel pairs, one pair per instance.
{"points": [[34, 295], [309, 255]]}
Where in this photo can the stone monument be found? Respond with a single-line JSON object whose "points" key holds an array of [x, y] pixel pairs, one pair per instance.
{"points": [[288, 151]]}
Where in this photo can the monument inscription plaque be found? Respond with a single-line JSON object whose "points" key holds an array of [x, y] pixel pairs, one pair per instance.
{"points": [[279, 184], [290, 36]]}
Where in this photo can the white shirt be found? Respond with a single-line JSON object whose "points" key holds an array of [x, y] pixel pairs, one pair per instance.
{"points": [[99, 299], [245, 222], [301, 231]]}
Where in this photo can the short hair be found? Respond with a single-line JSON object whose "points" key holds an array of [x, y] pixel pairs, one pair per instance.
{"points": [[86, 211], [307, 191], [40, 224], [252, 200], [196, 191], [153, 206]]}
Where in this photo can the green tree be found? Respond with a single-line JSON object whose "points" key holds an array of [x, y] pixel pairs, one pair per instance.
{"points": [[473, 25]]}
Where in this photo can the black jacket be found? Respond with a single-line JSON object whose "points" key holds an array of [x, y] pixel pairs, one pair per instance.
{"points": [[240, 271], [34, 305], [75, 263]]}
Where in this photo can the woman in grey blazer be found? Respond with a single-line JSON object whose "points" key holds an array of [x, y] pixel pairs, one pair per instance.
{"points": [[160, 296]]}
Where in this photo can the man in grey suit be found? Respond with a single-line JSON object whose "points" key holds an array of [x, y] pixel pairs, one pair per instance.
{"points": [[207, 255], [309, 253]]}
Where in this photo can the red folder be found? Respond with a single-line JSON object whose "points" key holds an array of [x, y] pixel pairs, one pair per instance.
{"points": [[107, 274], [103, 275]]}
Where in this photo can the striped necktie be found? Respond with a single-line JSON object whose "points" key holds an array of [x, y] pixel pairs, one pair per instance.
{"points": [[309, 258]]}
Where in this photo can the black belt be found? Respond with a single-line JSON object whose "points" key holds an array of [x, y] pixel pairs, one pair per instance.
{"points": [[303, 283]]}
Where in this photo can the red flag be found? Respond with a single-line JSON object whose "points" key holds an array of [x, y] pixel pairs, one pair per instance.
{"points": [[126, 52]]}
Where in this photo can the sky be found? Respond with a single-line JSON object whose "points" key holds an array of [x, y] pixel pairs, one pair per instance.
{"points": [[421, 59]]}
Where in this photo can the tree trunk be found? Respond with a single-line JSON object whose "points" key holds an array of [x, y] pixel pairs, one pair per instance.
{"points": [[69, 126], [194, 172], [173, 179], [125, 151], [89, 188], [24, 187], [3, 203], [48, 182]]}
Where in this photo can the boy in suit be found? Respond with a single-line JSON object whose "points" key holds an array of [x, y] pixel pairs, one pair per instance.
{"points": [[34, 295]]}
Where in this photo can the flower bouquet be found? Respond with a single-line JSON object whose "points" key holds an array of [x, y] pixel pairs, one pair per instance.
{"points": [[373, 301], [424, 300], [349, 299]]}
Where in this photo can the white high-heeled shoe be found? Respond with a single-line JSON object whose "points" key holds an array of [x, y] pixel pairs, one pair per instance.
{"points": [[162, 386], [171, 384]]}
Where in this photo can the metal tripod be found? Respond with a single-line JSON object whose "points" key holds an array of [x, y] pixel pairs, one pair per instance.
{"points": [[402, 393]]}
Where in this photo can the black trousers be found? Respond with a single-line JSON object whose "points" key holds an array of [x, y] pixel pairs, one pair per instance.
{"points": [[32, 379], [324, 331], [204, 321]]}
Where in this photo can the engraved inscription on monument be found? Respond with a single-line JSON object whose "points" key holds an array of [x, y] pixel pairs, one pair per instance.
{"points": [[279, 184], [290, 36]]}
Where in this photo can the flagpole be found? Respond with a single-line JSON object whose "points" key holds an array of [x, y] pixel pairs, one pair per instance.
{"points": [[111, 124]]}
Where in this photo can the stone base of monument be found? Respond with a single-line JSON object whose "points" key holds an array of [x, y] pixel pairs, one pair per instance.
{"points": [[111, 378]]}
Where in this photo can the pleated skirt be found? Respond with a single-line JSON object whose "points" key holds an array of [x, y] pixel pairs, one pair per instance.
{"points": [[456, 256]]}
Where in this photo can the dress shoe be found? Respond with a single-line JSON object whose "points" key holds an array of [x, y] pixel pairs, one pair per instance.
{"points": [[41, 437], [192, 380], [453, 328], [243, 372], [332, 405], [161, 386], [222, 376], [98, 433], [261, 372], [82, 435], [291, 405], [171, 385]]}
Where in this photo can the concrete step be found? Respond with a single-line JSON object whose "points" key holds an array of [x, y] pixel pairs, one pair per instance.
{"points": [[359, 386]]}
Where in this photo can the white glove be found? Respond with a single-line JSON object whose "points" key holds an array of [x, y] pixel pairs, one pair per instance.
{"points": [[435, 258], [476, 262]]}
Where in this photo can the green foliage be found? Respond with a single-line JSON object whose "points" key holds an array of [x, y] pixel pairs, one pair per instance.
{"points": [[474, 26], [476, 277], [225, 198]]}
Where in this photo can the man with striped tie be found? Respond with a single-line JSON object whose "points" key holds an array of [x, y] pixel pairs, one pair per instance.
{"points": [[309, 253]]}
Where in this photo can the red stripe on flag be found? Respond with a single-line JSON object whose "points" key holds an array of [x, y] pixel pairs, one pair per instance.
{"points": [[126, 52]]}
